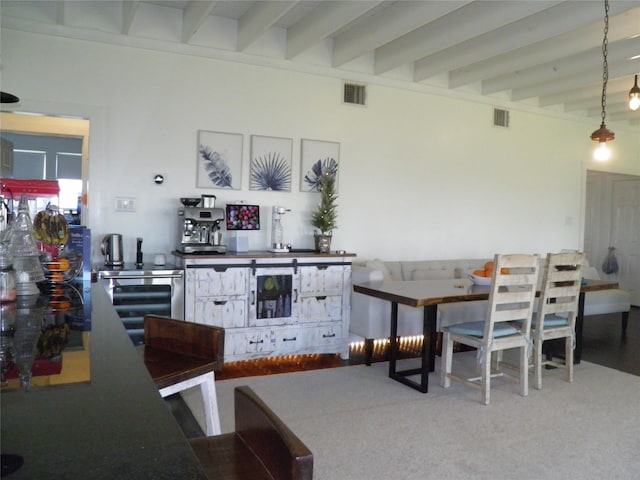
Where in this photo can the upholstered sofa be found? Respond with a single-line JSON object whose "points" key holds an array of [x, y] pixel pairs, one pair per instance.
{"points": [[370, 316]]}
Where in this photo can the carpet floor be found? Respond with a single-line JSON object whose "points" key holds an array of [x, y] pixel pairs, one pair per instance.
{"points": [[360, 425]]}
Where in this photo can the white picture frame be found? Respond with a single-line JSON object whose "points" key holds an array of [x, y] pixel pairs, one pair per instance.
{"points": [[316, 158], [219, 160], [270, 168]]}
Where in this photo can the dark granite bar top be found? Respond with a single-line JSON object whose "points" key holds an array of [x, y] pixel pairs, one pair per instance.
{"points": [[114, 427], [266, 254]]}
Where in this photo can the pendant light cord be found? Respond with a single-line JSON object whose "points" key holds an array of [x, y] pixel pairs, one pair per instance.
{"points": [[605, 65]]}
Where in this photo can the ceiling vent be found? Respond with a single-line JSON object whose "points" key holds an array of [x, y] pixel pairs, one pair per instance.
{"points": [[500, 118], [354, 94]]}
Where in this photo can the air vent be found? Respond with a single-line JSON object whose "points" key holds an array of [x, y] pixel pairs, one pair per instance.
{"points": [[354, 94], [500, 117]]}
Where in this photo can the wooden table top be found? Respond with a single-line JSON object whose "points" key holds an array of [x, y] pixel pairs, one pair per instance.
{"points": [[419, 293]]}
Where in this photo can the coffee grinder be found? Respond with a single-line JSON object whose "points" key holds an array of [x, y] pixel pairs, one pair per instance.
{"points": [[277, 244], [199, 228]]}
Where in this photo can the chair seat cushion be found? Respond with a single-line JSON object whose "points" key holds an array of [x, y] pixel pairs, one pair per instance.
{"points": [[551, 321], [476, 329]]}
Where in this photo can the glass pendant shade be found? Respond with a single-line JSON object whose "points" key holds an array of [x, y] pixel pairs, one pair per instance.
{"points": [[602, 153], [634, 95]]}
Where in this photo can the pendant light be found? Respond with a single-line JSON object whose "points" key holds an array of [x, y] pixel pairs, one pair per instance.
{"points": [[603, 134], [634, 96]]}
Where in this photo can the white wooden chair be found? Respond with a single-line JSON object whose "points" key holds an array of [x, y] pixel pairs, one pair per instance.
{"points": [[511, 301], [557, 308]]}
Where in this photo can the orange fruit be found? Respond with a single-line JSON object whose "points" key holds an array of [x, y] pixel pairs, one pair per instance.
{"points": [[488, 266], [57, 277], [479, 273], [64, 264], [504, 271]]}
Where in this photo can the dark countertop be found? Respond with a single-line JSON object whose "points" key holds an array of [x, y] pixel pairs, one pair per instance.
{"points": [[265, 254], [115, 427]]}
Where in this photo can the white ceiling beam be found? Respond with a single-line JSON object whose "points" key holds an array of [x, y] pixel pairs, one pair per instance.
{"points": [[620, 27], [193, 16], [534, 28], [575, 81], [258, 19], [460, 25], [391, 23], [620, 95], [585, 63], [618, 103], [326, 19], [61, 8], [582, 93], [129, 10]]}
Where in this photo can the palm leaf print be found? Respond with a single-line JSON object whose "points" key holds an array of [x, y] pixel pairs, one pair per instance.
{"points": [[216, 167], [313, 177], [270, 172]]}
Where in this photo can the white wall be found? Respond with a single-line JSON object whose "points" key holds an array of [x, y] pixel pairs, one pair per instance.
{"points": [[421, 175]]}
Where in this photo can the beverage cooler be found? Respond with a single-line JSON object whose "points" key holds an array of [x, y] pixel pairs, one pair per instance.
{"points": [[136, 292]]}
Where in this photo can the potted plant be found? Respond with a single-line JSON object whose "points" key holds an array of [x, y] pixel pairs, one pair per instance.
{"points": [[324, 218]]}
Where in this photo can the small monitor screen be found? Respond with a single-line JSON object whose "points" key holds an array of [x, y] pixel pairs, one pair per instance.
{"points": [[243, 217]]}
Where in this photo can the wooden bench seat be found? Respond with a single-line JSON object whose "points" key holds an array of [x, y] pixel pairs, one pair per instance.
{"points": [[261, 447]]}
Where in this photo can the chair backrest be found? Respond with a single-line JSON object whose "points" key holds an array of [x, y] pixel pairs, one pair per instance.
{"points": [[186, 338], [513, 291], [281, 452], [561, 283]]}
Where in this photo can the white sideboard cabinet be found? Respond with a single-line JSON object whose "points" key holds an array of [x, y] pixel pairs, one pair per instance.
{"points": [[271, 304]]}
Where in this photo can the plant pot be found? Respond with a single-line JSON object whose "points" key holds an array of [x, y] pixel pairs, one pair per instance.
{"points": [[323, 242]]}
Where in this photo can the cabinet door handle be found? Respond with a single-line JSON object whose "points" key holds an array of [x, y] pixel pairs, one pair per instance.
{"points": [[323, 297], [328, 335], [289, 339], [251, 342], [295, 298], [219, 302], [253, 297]]}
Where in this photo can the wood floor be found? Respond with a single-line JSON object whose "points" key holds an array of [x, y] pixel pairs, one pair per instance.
{"points": [[603, 343]]}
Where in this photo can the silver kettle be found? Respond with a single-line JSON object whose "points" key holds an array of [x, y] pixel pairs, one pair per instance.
{"points": [[111, 248]]}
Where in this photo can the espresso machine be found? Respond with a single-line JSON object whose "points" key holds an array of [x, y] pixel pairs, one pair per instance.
{"points": [[199, 228]]}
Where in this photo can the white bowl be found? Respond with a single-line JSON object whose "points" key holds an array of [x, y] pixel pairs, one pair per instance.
{"points": [[477, 280]]}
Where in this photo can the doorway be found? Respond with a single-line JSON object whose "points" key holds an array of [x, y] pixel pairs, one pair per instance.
{"points": [[612, 218], [50, 149]]}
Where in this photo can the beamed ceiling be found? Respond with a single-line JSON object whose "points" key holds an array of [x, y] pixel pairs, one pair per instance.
{"points": [[545, 54]]}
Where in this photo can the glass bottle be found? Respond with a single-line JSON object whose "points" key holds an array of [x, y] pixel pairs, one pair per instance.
{"points": [[24, 250], [7, 276]]}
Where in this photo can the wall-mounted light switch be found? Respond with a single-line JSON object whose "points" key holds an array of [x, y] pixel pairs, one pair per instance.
{"points": [[125, 204]]}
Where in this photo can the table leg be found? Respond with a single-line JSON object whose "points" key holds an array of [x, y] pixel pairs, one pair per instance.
{"points": [[428, 351], [577, 352], [393, 346]]}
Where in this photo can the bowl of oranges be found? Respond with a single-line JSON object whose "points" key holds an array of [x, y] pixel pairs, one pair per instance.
{"points": [[62, 269], [483, 276]]}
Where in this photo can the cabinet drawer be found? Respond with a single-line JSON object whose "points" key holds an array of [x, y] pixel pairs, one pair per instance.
{"points": [[256, 341], [320, 309], [289, 340], [227, 313], [319, 280], [326, 335], [212, 282]]}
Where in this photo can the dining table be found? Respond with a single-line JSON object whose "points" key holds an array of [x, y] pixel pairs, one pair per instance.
{"points": [[428, 294]]}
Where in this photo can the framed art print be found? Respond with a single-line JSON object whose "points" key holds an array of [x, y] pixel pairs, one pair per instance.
{"points": [[219, 160], [270, 163], [317, 157]]}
